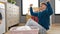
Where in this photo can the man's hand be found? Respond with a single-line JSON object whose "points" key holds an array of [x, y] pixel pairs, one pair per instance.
{"points": [[31, 5]]}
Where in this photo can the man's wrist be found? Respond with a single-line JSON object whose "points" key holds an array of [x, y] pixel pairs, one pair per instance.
{"points": [[30, 6]]}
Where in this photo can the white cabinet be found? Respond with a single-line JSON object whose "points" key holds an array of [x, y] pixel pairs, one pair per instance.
{"points": [[12, 14]]}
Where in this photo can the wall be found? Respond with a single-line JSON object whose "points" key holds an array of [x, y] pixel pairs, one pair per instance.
{"points": [[22, 18], [55, 18]]}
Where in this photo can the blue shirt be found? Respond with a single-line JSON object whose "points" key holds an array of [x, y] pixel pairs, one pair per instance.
{"points": [[44, 16]]}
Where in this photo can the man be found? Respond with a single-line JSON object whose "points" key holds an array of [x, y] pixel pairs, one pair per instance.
{"points": [[43, 16]]}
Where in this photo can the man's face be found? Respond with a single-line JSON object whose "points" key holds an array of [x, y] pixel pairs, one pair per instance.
{"points": [[42, 7]]}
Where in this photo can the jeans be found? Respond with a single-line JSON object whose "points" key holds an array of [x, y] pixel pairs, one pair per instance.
{"points": [[31, 22]]}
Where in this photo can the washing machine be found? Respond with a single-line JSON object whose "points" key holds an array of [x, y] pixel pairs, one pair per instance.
{"points": [[2, 17]]}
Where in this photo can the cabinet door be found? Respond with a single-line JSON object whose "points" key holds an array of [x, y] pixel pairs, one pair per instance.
{"points": [[12, 15], [9, 6]]}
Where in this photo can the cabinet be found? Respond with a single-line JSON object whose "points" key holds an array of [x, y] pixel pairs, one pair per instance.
{"points": [[12, 14]]}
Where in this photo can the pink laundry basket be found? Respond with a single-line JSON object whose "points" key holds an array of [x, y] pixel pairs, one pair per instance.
{"points": [[33, 30]]}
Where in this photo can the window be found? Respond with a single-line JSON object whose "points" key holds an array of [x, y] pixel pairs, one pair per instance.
{"points": [[57, 6], [26, 5]]}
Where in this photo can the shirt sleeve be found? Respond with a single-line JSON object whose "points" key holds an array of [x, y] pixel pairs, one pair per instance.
{"points": [[50, 10], [33, 13]]}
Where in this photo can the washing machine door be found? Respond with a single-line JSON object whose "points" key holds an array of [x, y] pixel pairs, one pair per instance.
{"points": [[0, 16]]}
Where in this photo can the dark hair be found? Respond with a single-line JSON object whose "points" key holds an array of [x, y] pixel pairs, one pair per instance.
{"points": [[44, 4]]}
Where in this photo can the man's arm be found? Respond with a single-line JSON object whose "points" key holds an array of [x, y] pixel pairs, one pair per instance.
{"points": [[33, 13], [50, 10]]}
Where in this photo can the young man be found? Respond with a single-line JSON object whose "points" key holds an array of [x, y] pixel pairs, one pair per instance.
{"points": [[43, 16]]}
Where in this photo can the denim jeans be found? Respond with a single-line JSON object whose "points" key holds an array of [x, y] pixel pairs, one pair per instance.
{"points": [[31, 22]]}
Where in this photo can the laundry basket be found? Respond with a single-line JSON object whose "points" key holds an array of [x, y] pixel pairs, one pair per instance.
{"points": [[33, 30]]}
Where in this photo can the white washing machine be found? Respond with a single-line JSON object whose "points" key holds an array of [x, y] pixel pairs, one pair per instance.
{"points": [[2, 20]]}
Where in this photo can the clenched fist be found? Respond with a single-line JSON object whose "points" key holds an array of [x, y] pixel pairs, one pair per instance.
{"points": [[31, 5]]}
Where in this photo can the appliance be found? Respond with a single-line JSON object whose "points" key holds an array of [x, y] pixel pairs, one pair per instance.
{"points": [[9, 15]]}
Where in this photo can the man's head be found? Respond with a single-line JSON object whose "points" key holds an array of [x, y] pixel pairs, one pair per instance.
{"points": [[43, 6]]}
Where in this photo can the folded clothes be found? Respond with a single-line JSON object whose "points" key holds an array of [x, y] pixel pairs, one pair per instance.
{"points": [[21, 28]]}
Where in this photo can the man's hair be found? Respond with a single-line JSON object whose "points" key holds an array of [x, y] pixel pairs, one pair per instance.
{"points": [[44, 4]]}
